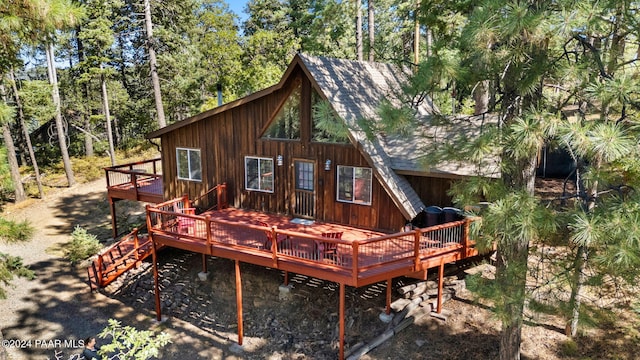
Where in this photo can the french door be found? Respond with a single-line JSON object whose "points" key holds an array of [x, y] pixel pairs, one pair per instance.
{"points": [[304, 198]]}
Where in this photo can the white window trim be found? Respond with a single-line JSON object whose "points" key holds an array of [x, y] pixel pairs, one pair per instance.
{"points": [[353, 184], [189, 150], [246, 173]]}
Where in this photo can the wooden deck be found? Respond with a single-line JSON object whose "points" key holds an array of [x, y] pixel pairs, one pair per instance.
{"points": [[362, 257], [138, 181]]}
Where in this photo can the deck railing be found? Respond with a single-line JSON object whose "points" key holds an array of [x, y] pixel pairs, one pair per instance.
{"points": [[112, 261], [135, 175], [351, 255]]}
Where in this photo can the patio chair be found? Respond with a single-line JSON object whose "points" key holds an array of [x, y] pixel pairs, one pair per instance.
{"points": [[269, 236], [328, 250]]}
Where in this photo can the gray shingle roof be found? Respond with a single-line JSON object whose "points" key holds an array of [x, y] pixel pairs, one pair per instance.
{"points": [[355, 89]]}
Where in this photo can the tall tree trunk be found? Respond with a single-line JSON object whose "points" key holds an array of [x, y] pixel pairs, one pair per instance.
{"points": [[14, 168], [429, 42], [416, 34], [27, 138], [18, 189], [481, 97], [513, 254], [511, 270], [371, 30], [153, 63], [512, 281], [107, 115], [359, 30], [577, 290], [53, 79], [88, 140], [580, 263]]}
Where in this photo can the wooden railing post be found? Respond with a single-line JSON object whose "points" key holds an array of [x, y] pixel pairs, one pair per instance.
{"points": [[274, 245], [106, 174], [136, 243], [465, 236], [416, 250], [207, 220], [354, 270], [99, 272], [134, 178]]}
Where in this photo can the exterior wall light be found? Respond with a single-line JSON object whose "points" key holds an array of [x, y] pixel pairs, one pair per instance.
{"points": [[279, 160], [327, 165]]}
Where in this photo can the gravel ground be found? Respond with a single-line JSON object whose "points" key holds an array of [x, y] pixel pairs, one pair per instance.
{"points": [[46, 317]]}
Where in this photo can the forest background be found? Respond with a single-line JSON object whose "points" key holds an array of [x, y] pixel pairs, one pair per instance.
{"points": [[84, 78]]}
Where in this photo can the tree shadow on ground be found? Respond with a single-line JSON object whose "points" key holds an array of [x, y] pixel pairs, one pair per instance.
{"points": [[91, 211]]}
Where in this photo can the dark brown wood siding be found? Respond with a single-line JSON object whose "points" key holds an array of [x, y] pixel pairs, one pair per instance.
{"points": [[226, 138], [432, 191]]}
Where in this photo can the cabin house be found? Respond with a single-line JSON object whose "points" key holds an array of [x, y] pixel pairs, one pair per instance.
{"points": [[303, 183], [275, 156]]}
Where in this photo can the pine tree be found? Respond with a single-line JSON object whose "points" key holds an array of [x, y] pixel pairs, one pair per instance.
{"points": [[534, 60]]}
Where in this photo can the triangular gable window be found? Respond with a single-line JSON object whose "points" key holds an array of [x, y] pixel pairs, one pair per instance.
{"points": [[286, 123]]}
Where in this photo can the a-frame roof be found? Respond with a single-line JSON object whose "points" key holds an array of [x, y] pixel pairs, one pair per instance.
{"points": [[355, 89]]}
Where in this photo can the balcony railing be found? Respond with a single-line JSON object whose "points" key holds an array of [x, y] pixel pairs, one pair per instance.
{"points": [[351, 256]]}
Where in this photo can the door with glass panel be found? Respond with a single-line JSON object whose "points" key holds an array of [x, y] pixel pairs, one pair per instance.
{"points": [[304, 198]]}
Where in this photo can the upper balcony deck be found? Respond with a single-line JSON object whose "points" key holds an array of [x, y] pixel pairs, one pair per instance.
{"points": [[139, 181]]}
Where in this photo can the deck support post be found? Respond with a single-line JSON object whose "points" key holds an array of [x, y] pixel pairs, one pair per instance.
{"points": [[286, 278], [388, 304], [156, 281], [239, 301], [341, 354], [440, 284], [114, 225], [204, 263]]}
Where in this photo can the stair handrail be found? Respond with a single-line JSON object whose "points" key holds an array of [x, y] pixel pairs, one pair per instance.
{"points": [[221, 196]]}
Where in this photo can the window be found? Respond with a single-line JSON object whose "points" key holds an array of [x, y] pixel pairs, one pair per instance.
{"points": [[189, 164], [354, 184], [258, 174], [286, 124]]}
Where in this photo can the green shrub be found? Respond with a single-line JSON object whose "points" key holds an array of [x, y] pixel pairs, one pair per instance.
{"points": [[11, 231], [569, 348], [10, 266], [128, 342], [82, 246]]}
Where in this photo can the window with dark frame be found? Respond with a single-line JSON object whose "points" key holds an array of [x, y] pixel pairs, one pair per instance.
{"points": [[258, 173], [354, 184], [189, 164]]}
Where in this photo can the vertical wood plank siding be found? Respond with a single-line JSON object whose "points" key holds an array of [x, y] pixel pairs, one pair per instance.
{"points": [[432, 191], [224, 139]]}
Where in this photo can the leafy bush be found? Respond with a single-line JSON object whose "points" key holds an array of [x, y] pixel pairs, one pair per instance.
{"points": [[11, 231], [82, 246], [10, 266], [129, 343]]}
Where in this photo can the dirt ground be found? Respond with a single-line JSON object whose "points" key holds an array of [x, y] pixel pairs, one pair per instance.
{"points": [[48, 315]]}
